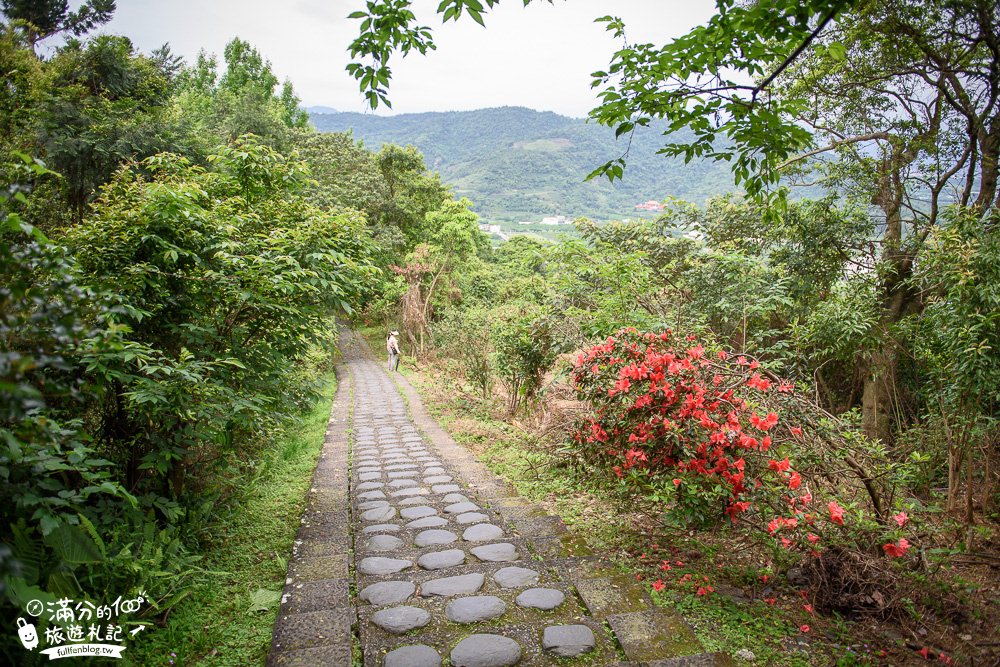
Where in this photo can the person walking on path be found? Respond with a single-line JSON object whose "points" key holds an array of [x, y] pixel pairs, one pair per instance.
{"points": [[392, 347]]}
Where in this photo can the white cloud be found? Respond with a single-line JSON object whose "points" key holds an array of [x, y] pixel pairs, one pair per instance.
{"points": [[539, 56]]}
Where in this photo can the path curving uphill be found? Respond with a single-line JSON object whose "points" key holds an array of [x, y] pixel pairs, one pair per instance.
{"points": [[412, 554]]}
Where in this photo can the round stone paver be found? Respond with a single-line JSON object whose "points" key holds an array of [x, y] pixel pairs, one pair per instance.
{"points": [[429, 538], [427, 522], [413, 500], [379, 514], [380, 565], [398, 620], [402, 483], [405, 493], [500, 552], [437, 479], [438, 560], [461, 508], [486, 651], [401, 474], [474, 609], [368, 486], [515, 577], [568, 641], [415, 655], [384, 543], [463, 584], [446, 488], [541, 598], [369, 476], [455, 498], [378, 494], [417, 512], [471, 517], [381, 528], [387, 592], [482, 532], [373, 504]]}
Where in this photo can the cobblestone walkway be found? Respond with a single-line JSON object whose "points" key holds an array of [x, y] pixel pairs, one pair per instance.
{"points": [[412, 554]]}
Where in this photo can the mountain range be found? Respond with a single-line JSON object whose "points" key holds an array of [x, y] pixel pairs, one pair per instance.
{"points": [[519, 164]]}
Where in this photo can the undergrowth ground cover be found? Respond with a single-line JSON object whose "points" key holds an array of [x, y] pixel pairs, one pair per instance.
{"points": [[733, 602], [227, 618]]}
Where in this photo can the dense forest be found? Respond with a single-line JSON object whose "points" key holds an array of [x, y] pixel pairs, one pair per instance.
{"points": [[811, 384], [519, 164]]}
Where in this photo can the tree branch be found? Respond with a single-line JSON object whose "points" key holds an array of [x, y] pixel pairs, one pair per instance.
{"points": [[829, 147], [794, 55]]}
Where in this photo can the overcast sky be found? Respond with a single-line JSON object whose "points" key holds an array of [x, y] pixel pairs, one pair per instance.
{"points": [[538, 56]]}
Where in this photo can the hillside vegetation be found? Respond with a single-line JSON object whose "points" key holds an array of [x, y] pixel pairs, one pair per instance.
{"points": [[517, 163], [793, 417]]}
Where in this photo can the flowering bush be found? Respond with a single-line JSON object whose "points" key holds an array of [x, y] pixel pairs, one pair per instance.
{"points": [[704, 433]]}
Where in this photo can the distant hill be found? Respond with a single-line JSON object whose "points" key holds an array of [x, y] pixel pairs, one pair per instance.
{"points": [[315, 110], [521, 164]]}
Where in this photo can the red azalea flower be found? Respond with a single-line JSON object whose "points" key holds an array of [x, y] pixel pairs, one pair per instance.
{"points": [[796, 431], [897, 550], [779, 466], [658, 585], [808, 608], [900, 519], [794, 481], [804, 628], [836, 513], [926, 652]]}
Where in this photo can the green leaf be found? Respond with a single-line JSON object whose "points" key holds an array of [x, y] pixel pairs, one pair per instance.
{"points": [[263, 599], [73, 545]]}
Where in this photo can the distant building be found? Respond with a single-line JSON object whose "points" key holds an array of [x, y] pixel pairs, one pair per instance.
{"points": [[555, 220], [650, 205], [488, 228]]}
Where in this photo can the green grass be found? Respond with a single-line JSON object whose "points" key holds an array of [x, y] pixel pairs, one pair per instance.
{"points": [[250, 551]]}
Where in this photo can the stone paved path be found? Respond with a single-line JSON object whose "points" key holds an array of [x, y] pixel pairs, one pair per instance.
{"points": [[412, 554]]}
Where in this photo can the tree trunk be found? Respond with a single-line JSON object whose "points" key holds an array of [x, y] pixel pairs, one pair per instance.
{"points": [[878, 396]]}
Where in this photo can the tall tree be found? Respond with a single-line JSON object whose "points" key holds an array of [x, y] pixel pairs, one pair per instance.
{"points": [[49, 17], [106, 104]]}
